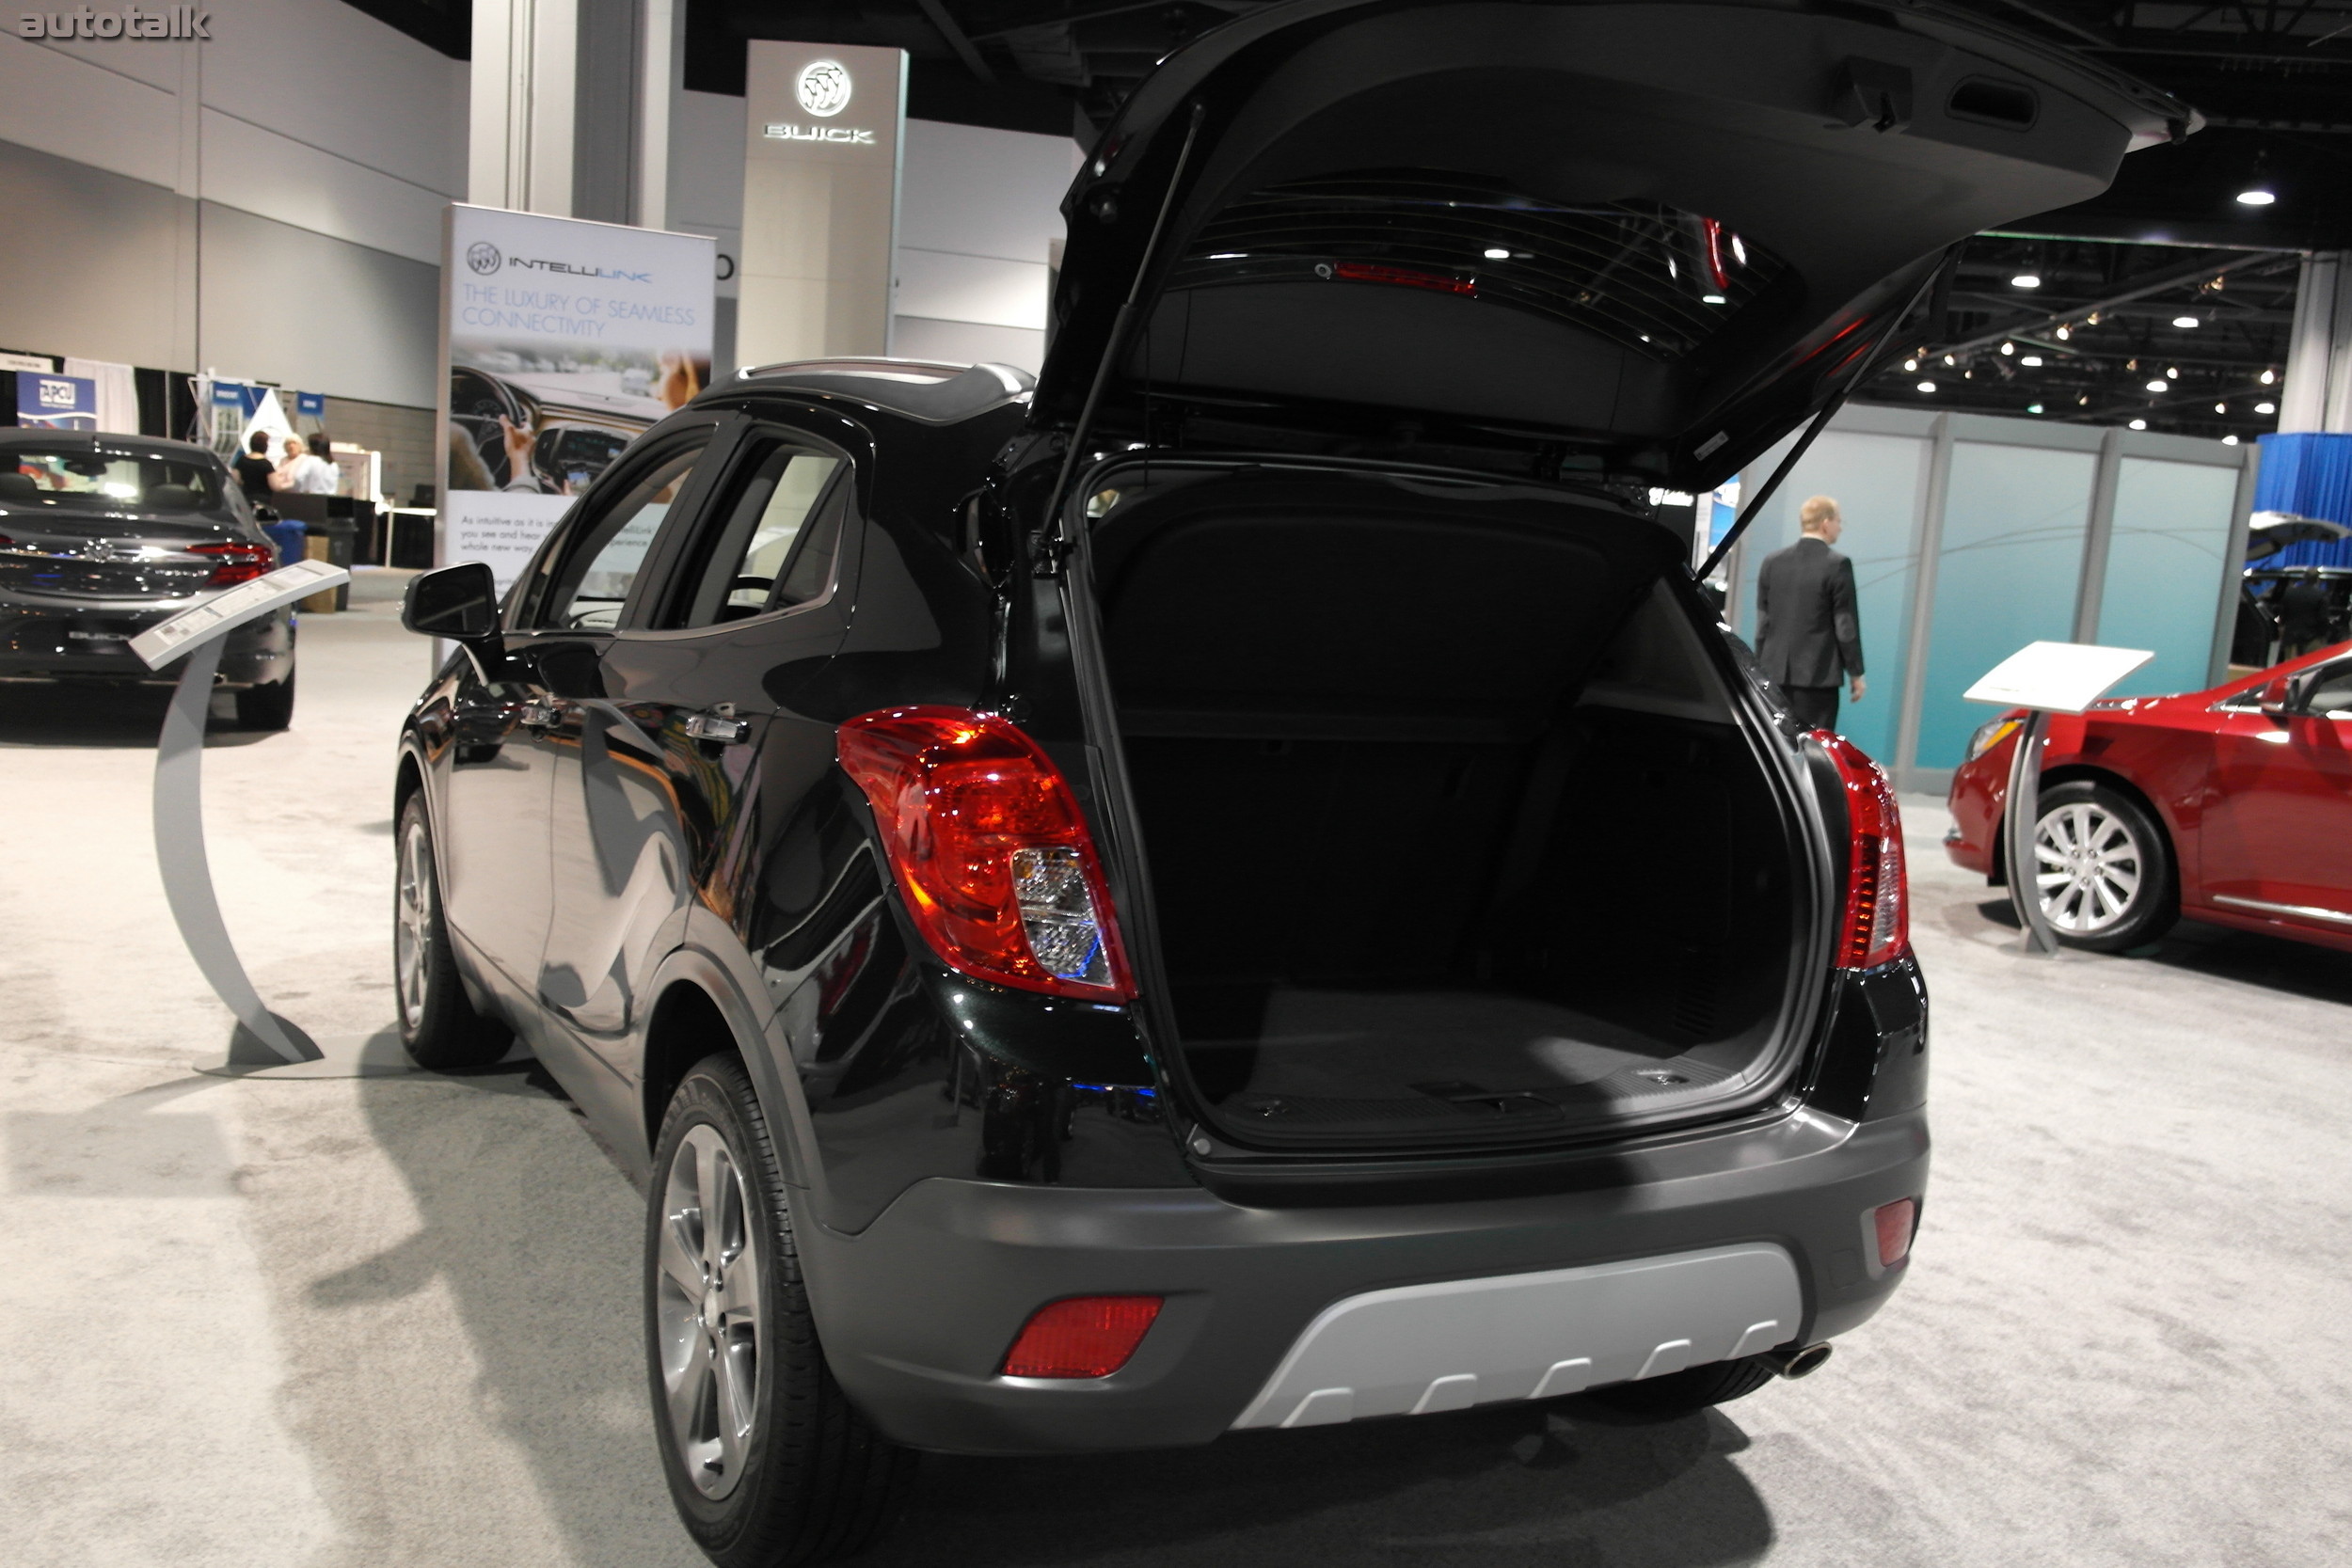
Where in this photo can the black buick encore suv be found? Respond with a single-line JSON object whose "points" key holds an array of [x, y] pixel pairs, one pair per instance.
{"points": [[1241, 884]]}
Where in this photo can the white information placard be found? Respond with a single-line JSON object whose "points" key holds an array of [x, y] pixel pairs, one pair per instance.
{"points": [[2057, 678], [562, 341], [166, 640]]}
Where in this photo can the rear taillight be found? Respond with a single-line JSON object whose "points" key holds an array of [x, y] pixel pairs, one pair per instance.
{"points": [[989, 849], [1895, 1223], [1876, 928], [1083, 1337], [235, 563]]}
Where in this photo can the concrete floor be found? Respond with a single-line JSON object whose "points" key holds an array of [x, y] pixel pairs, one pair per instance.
{"points": [[393, 1322]]}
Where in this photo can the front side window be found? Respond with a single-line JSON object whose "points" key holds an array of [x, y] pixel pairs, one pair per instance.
{"points": [[2331, 692], [770, 544], [587, 579]]}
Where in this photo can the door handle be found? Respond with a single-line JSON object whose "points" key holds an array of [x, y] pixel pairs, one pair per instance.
{"points": [[535, 716], [716, 727]]}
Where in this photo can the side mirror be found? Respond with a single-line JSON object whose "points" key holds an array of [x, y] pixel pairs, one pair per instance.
{"points": [[2277, 698], [460, 601], [264, 514]]}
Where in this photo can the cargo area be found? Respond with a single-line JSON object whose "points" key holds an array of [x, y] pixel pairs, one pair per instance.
{"points": [[1451, 833]]}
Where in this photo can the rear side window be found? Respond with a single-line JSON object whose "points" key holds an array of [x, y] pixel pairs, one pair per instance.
{"points": [[1651, 279], [769, 543], [83, 479], [587, 578]]}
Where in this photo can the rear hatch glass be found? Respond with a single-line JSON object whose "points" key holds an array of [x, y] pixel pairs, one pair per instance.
{"points": [[1655, 234]]}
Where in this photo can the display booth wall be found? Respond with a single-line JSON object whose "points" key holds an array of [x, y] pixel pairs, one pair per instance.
{"points": [[1973, 535]]}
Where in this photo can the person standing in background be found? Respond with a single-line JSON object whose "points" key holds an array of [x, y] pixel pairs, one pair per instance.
{"points": [[310, 472], [254, 468], [2302, 614], [1807, 634]]}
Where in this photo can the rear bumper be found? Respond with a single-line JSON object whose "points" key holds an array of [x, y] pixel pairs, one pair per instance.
{"points": [[917, 1310], [94, 643]]}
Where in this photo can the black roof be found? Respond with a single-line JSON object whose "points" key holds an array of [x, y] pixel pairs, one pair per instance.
{"points": [[920, 389]]}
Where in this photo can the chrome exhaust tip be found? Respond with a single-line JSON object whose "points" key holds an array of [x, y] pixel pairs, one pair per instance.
{"points": [[1803, 1362]]}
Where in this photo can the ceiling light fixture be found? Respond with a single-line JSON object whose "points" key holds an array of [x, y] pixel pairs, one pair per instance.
{"points": [[2063, 333], [2008, 348], [1949, 360], [2221, 409], [2092, 320], [1496, 253], [2229, 440], [2159, 385], [2029, 280], [2033, 409], [2257, 196], [2187, 322], [1927, 386], [2139, 424], [1911, 364], [2265, 409], [2269, 376], [2031, 359], [1710, 299]]}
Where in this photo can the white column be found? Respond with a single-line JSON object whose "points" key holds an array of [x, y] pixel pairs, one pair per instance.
{"points": [[526, 63], [2317, 393], [660, 81]]}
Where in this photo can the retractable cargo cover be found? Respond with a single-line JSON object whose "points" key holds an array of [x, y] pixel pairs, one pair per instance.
{"points": [[1654, 233]]}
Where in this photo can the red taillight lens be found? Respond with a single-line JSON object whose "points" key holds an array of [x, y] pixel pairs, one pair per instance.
{"points": [[235, 563], [1404, 277], [1895, 1223], [1083, 1337], [1877, 905], [989, 849]]}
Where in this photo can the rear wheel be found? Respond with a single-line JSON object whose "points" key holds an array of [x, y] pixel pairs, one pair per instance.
{"points": [[768, 1462], [2102, 868], [268, 706], [438, 1026], [1685, 1392]]}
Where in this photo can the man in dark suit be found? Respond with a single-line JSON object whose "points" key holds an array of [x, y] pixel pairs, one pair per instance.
{"points": [[1806, 633]]}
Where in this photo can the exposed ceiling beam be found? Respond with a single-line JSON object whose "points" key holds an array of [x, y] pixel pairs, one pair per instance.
{"points": [[967, 50], [2156, 285]]}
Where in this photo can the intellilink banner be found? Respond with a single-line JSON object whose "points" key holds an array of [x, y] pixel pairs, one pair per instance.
{"points": [[561, 341]]}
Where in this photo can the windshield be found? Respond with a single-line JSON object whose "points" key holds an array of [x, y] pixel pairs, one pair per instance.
{"points": [[83, 479]]}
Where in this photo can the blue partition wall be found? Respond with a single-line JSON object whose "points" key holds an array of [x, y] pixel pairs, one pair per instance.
{"points": [[1971, 536], [2164, 569], [2007, 574], [1878, 480]]}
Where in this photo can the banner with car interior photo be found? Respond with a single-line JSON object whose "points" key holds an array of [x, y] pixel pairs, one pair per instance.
{"points": [[561, 341]]}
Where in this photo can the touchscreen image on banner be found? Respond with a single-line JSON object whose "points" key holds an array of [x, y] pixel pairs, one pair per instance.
{"points": [[567, 341]]}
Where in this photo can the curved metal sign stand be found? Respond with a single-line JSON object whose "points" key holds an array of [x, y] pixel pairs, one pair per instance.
{"points": [[265, 1041], [2043, 678]]}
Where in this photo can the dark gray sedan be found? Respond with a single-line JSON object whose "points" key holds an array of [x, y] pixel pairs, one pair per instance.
{"points": [[102, 535]]}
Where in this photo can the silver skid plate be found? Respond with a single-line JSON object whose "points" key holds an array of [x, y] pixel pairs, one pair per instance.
{"points": [[1420, 1349]]}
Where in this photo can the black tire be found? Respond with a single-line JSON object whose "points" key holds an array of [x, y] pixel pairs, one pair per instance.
{"points": [[438, 1025], [1686, 1392], [2127, 846], [267, 706], [807, 1478]]}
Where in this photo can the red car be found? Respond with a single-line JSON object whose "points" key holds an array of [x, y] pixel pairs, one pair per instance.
{"points": [[2232, 805]]}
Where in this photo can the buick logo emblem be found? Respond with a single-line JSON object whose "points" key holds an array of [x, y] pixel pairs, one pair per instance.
{"points": [[482, 257], [824, 87]]}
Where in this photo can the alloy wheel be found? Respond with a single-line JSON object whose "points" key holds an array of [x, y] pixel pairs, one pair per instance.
{"points": [[2089, 867], [412, 923], [707, 1311]]}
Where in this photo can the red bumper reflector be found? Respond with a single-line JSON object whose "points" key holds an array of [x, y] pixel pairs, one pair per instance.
{"points": [[1082, 1336], [1896, 1222]]}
